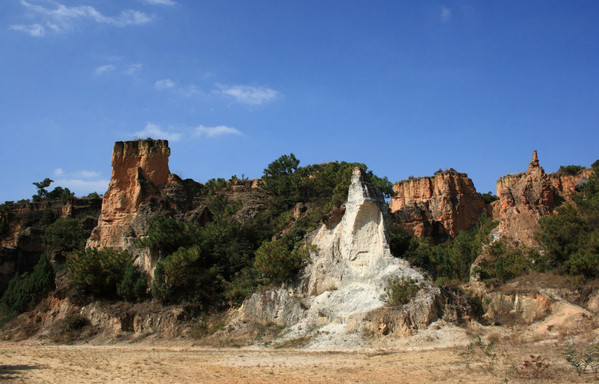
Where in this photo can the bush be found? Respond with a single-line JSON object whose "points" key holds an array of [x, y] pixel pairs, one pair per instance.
{"points": [[279, 261], [105, 273], [167, 235], [399, 291], [38, 218], [570, 238], [65, 234], [185, 275], [134, 285], [571, 170], [505, 262], [448, 263], [26, 290], [489, 197]]}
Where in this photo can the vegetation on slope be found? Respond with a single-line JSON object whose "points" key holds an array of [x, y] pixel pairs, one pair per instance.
{"points": [[225, 260]]}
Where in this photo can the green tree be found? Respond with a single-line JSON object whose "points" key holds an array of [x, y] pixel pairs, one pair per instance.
{"points": [[41, 186], [26, 290], [97, 272], [65, 234], [570, 238], [186, 275]]}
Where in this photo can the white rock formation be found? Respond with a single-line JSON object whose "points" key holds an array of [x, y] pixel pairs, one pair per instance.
{"points": [[344, 281]]}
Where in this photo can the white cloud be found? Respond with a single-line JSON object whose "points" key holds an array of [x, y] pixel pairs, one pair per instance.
{"points": [[105, 68], [164, 84], [160, 2], [81, 182], [446, 14], [247, 94], [34, 30], [133, 69], [80, 186], [85, 174], [188, 91], [64, 18], [212, 132], [154, 131]]}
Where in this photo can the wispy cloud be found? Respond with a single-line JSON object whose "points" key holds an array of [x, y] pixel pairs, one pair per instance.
{"points": [[159, 2], [154, 131], [217, 131], [82, 181], [132, 69], [164, 84], [34, 30], [62, 18], [446, 15], [105, 68], [247, 94]]}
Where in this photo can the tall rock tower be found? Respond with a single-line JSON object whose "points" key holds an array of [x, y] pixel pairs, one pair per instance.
{"points": [[138, 168]]}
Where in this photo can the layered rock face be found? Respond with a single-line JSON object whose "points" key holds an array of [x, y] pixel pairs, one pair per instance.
{"points": [[21, 243], [526, 197], [137, 167], [437, 206], [338, 298], [142, 187]]}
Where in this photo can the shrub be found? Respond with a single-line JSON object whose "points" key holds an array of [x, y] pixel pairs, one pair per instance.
{"points": [[489, 197], [505, 262], [167, 235], [572, 170], [449, 263], [134, 285], [38, 218], [185, 275], [26, 290], [65, 234], [570, 238], [98, 272], [279, 261], [399, 291]]}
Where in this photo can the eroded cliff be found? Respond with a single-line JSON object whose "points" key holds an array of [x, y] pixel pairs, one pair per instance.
{"points": [[526, 197], [338, 298], [437, 206]]}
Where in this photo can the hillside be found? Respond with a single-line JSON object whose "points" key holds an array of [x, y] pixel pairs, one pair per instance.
{"points": [[310, 257]]}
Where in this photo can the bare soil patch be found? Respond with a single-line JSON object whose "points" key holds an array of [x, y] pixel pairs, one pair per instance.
{"points": [[181, 362]]}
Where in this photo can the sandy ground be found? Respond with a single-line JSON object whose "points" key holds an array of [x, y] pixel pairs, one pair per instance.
{"points": [[184, 363]]}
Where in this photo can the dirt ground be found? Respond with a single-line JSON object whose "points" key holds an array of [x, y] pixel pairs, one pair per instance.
{"points": [[181, 362]]}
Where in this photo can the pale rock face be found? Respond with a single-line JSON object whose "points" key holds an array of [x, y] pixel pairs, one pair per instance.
{"points": [[344, 281]]}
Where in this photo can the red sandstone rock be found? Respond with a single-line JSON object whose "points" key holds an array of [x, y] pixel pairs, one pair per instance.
{"points": [[443, 204], [526, 197], [137, 166]]}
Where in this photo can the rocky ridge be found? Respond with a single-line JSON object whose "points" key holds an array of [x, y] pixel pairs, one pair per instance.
{"points": [[141, 187], [338, 298], [437, 206], [526, 197]]}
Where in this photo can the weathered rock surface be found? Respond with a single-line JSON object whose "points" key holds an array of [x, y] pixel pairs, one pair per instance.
{"points": [[338, 298], [137, 168], [142, 187], [526, 197], [21, 243], [437, 206]]}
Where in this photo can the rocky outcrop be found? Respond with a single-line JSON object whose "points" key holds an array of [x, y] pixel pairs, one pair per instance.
{"points": [[437, 206], [138, 167], [142, 187], [526, 197], [338, 298], [22, 227]]}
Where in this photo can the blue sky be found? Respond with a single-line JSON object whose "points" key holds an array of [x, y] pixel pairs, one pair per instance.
{"points": [[406, 87]]}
